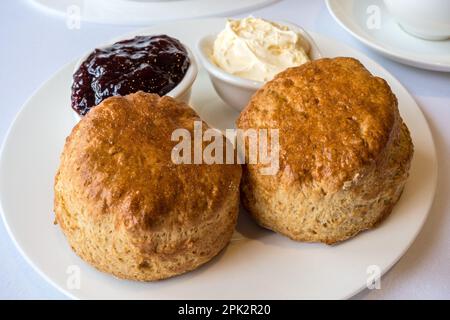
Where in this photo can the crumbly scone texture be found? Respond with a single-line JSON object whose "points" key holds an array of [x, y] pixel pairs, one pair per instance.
{"points": [[126, 208], [344, 151]]}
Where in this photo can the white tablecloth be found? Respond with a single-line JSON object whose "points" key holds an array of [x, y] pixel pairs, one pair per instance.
{"points": [[34, 45]]}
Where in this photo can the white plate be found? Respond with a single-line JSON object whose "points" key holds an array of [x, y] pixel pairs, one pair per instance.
{"points": [[389, 40], [258, 264], [145, 12]]}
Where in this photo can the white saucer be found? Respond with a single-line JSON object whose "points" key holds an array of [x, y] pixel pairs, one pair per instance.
{"points": [[389, 40], [146, 12], [258, 264]]}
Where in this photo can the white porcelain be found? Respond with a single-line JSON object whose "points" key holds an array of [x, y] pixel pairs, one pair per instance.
{"points": [[389, 39], [237, 91], [181, 92], [140, 12], [258, 264], [427, 19]]}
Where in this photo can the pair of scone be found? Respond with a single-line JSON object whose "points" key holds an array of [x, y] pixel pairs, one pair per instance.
{"points": [[128, 210]]}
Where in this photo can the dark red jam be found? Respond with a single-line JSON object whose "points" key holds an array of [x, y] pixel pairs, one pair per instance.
{"points": [[154, 64]]}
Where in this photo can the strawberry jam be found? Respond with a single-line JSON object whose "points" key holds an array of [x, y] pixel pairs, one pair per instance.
{"points": [[154, 64]]}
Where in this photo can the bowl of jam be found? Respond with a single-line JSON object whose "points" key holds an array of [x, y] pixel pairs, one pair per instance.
{"points": [[155, 64]]}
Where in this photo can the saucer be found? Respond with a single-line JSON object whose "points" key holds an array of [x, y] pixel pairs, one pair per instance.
{"points": [[389, 38], [145, 12]]}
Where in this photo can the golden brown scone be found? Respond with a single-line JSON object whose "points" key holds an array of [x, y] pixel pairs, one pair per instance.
{"points": [[344, 151], [126, 208]]}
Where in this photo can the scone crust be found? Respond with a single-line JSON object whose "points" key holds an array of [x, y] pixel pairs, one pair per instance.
{"points": [[126, 208], [344, 151]]}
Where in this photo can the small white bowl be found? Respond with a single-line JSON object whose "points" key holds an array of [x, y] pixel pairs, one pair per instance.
{"points": [[237, 91], [181, 92]]}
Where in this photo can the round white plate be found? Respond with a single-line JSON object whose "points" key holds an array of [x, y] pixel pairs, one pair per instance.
{"points": [[258, 264], [360, 17], [145, 12]]}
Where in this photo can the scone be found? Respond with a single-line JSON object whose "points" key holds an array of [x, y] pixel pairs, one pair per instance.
{"points": [[344, 151], [126, 208]]}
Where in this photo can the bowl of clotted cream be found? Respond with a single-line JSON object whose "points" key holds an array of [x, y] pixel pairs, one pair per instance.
{"points": [[251, 51]]}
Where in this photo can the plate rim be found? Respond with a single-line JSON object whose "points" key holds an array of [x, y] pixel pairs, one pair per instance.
{"points": [[428, 65], [434, 173]]}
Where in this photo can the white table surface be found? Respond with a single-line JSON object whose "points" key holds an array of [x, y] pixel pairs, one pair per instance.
{"points": [[34, 45]]}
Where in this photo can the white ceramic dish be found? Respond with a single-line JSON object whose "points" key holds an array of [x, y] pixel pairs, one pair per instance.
{"points": [[181, 92], [142, 12], [390, 39], [258, 264], [234, 90]]}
